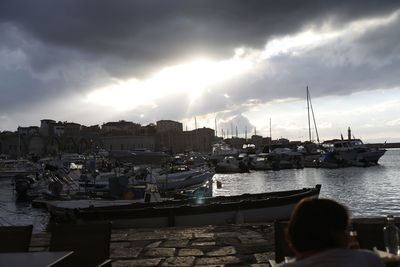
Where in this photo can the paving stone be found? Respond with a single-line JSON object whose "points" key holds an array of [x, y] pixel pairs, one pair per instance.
{"points": [[190, 252], [114, 245], [262, 257], [145, 236], [179, 261], [119, 237], [179, 236], [228, 241], [125, 252], [154, 244], [253, 248], [249, 240], [198, 244], [217, 260], [227, 234], [175, 243], [204, 235], [260, 265], [139, 262], [219, 265], [224, 251], [160, 252]]}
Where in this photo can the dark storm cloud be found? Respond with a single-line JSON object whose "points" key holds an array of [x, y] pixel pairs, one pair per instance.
{"points": [[144, 34], [50, 49]]}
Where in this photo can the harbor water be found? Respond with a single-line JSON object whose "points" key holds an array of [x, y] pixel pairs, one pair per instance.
{"points": [[368, 192]]}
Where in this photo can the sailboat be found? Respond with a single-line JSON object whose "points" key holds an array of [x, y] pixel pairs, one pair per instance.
{"points": [[311, 150], [337, 153]]}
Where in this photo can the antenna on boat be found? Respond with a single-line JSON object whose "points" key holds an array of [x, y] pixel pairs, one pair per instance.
{"points": [[309, 105]]}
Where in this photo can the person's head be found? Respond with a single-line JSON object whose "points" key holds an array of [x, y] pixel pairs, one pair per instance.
{"points": [[318, 224]]}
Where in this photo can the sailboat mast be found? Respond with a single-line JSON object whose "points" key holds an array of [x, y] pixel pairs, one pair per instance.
{"points": [[308, 114], [315, 123]]}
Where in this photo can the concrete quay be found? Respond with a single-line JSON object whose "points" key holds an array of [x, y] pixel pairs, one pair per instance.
{"points": [[211, 246]]}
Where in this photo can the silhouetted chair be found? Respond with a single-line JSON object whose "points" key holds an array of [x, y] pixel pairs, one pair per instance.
{"points": [[282, 248], [369, 234], [90, 243], [15, 238]]}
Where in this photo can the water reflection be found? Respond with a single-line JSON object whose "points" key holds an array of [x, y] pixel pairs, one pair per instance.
{"points": [[368, 192]]}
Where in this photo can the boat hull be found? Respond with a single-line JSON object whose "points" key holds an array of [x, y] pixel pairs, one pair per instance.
{"points": [[245, 208]]}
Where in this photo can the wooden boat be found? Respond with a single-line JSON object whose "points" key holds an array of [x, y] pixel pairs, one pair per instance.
{"points": [[244, 208]]}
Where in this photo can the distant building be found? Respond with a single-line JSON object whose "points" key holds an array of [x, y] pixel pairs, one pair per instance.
{"points": [[168, 125], [46, 127], [180, 141], [27, 131], [58, 128], [126, 126], [128, 142], [72, 129]]}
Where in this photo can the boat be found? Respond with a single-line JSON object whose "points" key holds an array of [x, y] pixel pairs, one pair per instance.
{"points": [[12, 168], [350, 152], [182, 179], [232, 165], [220, 151], [245, 208]]}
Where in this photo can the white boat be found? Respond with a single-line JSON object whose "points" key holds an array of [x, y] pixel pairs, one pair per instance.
{"points": [[222, 150], [350, 152], [179, 180], [246, 208], [11, 168]]}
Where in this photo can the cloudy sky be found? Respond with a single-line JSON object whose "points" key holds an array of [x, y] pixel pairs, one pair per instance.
{"points": [[241, 63]]}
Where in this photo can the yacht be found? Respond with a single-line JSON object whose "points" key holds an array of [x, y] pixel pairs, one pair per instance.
{"points": [[350, 152]]}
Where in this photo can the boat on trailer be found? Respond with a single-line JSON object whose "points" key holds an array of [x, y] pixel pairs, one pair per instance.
{"points": [[245, 208]]}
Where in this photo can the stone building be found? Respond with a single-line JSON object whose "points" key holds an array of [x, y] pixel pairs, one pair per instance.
{"points": [[168, 125], [180, 141], [128, 142], [128, 126]]}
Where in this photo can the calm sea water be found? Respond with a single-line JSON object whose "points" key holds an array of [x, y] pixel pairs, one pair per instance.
{"points": [[368, 192]]}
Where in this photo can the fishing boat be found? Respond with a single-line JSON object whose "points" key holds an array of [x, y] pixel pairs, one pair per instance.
{"points": [[246, 208]]}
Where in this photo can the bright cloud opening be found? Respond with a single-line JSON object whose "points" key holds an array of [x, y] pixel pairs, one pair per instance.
{"points": [[192, 78]]}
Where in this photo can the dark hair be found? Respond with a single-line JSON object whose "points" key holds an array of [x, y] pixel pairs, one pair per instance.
{"points": [[314, 222]]}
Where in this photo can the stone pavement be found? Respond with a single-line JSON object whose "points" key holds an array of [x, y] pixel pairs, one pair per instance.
{"points": [[211, 246]]}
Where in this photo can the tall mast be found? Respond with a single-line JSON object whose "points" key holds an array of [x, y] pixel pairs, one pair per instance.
{"points": [[312, 111], [270, 131], [216, 130], [308, 114]]}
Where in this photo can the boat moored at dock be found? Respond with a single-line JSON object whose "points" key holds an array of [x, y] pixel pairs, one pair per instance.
{"points": [[188, 212]]}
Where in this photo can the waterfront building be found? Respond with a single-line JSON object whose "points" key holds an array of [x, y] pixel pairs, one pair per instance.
{"points": [[128, 142], [122, 125], [46, 127], [169, 125]]}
